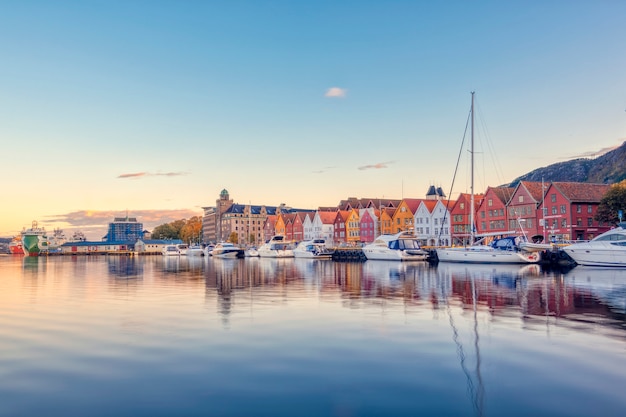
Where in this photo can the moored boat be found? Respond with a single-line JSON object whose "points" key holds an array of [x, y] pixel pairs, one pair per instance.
{"points": [[15, 246], [33, 240], [170, 250], [276, 247], [195, 250], [607, 249], [313, 249], [227, 250], [402, 246]]}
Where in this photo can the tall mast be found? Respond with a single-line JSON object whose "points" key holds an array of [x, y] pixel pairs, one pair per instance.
{"points": [[472, 175]]}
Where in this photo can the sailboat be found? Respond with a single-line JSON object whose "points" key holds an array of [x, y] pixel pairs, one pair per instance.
{"points": [[505, 249]]}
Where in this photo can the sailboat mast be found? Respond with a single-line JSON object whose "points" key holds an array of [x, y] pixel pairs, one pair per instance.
{"points": [[472, 175]]}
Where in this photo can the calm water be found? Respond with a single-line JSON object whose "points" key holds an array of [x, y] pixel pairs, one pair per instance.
{"points": [[154, 336]]}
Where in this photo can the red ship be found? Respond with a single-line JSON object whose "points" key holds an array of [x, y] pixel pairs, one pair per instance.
{"points": [[15, 246]]}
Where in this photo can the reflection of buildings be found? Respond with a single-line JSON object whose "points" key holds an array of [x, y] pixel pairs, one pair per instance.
{"points": [[518, 291]]}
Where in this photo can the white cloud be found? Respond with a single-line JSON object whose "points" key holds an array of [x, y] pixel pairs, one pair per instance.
{"points": [[336, 92]]}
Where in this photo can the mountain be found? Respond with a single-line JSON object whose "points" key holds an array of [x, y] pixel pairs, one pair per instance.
{"points": [[606, 169]]}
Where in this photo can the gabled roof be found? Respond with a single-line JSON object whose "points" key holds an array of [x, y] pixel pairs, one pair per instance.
{"points": [[504, 194], [342, 214], [327, 217], [580, 192], [412, 204], [430, 205], [534, 188], [353, 202]]}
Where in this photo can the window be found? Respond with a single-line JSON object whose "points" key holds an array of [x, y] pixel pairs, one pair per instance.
{"points": [[490, 202], [520, 198], [589, 208], [462, 206], [579, 221], [553, 198], [553, 209], [562, 208], [589, 221], [579, 208]]}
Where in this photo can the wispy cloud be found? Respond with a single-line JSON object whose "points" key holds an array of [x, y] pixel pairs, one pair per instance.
{"points": [[594, 154], [379, 165], [336, 92], [321, 171], [136, 175]]}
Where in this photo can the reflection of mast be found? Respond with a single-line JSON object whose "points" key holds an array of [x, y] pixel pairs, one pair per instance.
{"points": [[476, 389]]}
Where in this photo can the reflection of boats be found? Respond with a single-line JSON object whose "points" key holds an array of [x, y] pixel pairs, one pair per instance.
{"points": [[491, 272], [313, 249], [503, 250], [276, 247], [227, 250], [33, 240], [605, 284], [15, 246], [170, 250], [195, 250], [607, 249], [402, 246]]}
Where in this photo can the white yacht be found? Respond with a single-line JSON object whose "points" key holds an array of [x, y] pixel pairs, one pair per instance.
{"points": [[208, 250], [607, 249], [505, 250], [227, 250], [276, 247], [182, 248], [170, 250], [195, 250], [313, 249], [402, 246]]}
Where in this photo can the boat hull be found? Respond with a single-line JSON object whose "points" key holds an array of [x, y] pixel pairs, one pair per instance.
{"points": [[597, 254], [385, 254], [276, 253], [228, 254], [469, 255], [30, 245]]}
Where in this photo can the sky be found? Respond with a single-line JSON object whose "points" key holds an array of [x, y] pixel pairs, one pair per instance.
{"points": [[151, 108]]}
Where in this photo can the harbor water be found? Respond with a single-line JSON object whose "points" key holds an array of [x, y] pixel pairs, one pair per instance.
{"points": [[177, 336]]}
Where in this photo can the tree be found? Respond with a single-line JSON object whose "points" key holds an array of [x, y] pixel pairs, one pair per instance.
{"points": [[233, 238], [165, 231], [613, 201], [191, 230]]}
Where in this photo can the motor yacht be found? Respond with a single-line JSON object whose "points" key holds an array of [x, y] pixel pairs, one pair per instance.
{"points": [[607, 249], [313, 249], [402, 246]]}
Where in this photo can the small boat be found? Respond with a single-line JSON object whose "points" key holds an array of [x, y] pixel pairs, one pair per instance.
{"points": [[607, 249], [402, 246], [313, 249], [208, 250], [170, 250], [252, 252], [182, 248], [227, 250], [195, 250], [276, 247]]}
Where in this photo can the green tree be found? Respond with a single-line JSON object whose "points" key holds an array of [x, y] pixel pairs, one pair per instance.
{"points": [[613, 201], [165, 231]]}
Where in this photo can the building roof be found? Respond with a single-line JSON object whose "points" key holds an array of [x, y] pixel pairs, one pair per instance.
{"points": [[580, 192], [535, 189], [327, 217]]}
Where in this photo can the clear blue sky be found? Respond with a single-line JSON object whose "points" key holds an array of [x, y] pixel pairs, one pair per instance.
{"points": [[155, 106]]}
